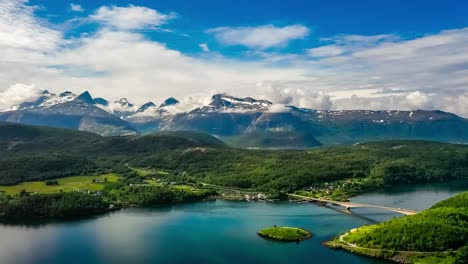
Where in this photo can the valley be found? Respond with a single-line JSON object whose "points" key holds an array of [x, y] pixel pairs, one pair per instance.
{"points": [[219, 132], [148, 169], [53, 173]]}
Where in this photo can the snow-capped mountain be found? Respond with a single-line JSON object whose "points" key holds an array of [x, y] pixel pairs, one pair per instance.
{"points": [[46, 100], [145, 107], [121, 108], [223, 102], [169, 102], [227, 116], [150, 111], [67, 110]]}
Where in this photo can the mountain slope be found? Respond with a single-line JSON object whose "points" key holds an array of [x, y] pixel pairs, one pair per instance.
{"points": [[74, 112], [247, 122], [42, 153], [37, 153], [274, 140]]}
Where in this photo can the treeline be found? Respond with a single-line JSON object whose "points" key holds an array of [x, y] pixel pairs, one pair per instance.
{"points": [[51, 205], [69, 204], [154, 195], [390, 163]]}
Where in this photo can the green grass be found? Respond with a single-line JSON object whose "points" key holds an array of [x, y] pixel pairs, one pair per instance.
{"points": [[285, 233], [435, 260], [153, 182], [146, 172], [67, 184]]}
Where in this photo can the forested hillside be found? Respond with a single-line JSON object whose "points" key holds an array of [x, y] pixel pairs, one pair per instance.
{"points": [[442, 228], [35, 153]]}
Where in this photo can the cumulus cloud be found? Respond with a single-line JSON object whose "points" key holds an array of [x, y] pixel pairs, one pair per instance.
{"points": [[76, 7], [131, 17], [17, 94], [261, 37], [406, 101], [382, 72], [304, 98], [189, 103]]}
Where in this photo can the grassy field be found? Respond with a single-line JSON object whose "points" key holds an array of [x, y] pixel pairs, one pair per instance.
{"points": [[284, 233], [73, 183], [147, 172]]}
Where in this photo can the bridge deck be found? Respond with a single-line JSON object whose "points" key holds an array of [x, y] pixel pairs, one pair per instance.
{"points": [[356, 205]]}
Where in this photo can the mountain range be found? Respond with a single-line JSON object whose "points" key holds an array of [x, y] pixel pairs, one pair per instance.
{"points": [[245, 122]]}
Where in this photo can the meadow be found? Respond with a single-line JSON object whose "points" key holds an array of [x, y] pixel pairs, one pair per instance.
{"points": [[67, 184]]}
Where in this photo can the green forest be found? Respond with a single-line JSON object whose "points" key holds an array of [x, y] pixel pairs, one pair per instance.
{"points": [[30, 153], [443, 228], [36, 153], [114, 196]]}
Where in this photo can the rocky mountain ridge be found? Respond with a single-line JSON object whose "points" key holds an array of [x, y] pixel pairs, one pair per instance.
{"points": [[227, 116]]}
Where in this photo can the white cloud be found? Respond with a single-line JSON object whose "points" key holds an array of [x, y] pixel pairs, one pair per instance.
{"points": [[383, 72], [76, 7], [305, 98], [261, 37], [418, 100], [204, 47], [278, 108], [20, 29], [17, 94], [131, 17], [189, 103], [326, 51]]}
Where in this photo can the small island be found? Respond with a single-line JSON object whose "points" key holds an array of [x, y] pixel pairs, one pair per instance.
{"points": [[285, 233]]}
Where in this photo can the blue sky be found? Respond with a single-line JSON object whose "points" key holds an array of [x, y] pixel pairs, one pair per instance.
{"points": [[408, 19], [317, 54]]}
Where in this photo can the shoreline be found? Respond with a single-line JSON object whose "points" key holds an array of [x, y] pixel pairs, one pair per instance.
{"points": [[396, 256]]}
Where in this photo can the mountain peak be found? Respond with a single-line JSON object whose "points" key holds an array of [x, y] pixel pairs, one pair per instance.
{"points": [[66, 94], [224, 102], [169, 101], [101, 101], [85, 98], [145, 107], [124, 102]]}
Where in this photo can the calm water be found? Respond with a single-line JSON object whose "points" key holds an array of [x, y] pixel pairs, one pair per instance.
{"points": [[210, 232]]}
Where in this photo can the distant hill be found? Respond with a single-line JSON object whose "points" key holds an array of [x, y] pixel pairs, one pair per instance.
{"points": [[274, 140], [38, 153]]}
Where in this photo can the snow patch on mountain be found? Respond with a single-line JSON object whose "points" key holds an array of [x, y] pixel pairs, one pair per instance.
{"points": [[226, 103], [46, 100]]}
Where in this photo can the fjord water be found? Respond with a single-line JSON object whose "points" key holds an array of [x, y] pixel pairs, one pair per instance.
{"points": [[206, 232]]}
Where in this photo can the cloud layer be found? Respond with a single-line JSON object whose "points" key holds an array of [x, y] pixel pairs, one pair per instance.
{"points": [[118, 60]]}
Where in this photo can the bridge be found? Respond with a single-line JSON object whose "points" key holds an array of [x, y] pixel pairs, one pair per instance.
{"points": [[350, 205]]}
